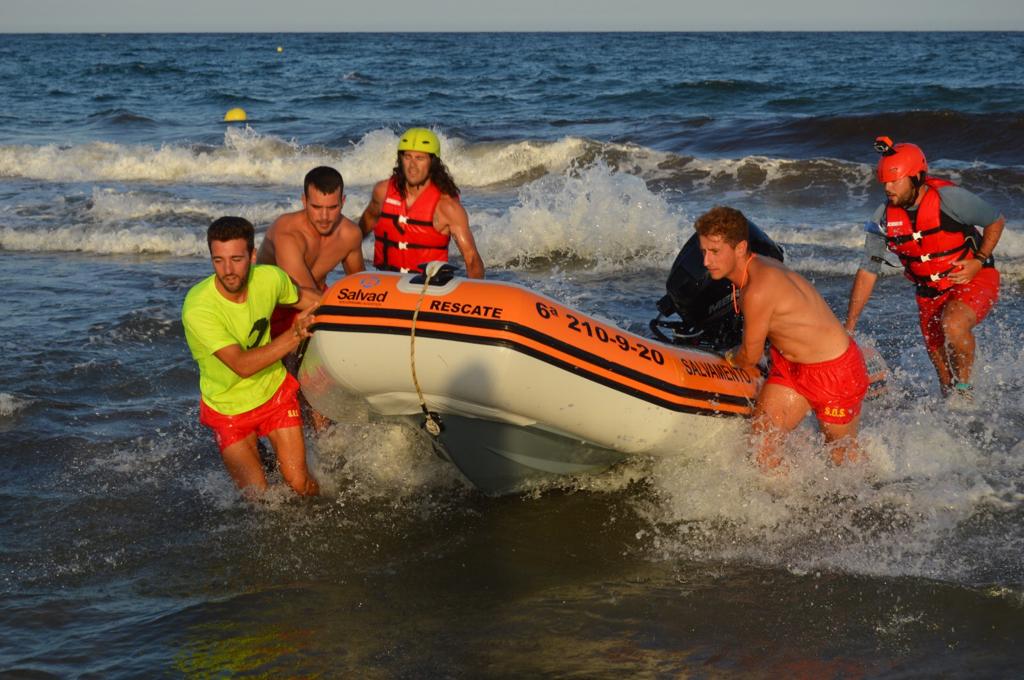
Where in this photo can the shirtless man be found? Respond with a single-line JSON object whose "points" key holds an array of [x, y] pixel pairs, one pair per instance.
{"points": [[815, 363], [309, 243], [415, 213]]}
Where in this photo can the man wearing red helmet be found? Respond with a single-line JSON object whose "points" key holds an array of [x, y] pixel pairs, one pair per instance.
{"points": [[932, 227]]}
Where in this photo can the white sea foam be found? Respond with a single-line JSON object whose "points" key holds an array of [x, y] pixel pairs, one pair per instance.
{"points": [[250, 157], [112, 206], [907, 511], [729, 178], [371, 460], [127, 240], [135, 222], [10, 404], [575, 200], [243, 159], [497, 163], [593, 213], [246, 157]]}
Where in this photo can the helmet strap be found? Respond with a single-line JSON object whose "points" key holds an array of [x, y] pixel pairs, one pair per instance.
{"points": [[917, 181]]}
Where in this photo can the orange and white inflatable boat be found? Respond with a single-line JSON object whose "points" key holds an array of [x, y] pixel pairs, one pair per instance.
{"points": [[522, 387]]}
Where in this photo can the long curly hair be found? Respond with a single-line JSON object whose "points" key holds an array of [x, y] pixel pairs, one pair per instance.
{"points": [[439, 175]]}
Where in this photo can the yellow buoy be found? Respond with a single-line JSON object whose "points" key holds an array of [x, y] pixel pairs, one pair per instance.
{"points": [[280, 49], [234, 115]]}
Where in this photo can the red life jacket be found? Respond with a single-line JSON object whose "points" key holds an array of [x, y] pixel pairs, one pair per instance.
{"points": [[929, 243], [404, 236]]}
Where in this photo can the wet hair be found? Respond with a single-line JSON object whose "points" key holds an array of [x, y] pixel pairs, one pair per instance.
{"points": [[326, 179], [439, 175], [726, 222], [230, 228]]}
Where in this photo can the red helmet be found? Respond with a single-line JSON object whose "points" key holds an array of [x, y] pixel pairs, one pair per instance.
{"points": [[899, 160]]}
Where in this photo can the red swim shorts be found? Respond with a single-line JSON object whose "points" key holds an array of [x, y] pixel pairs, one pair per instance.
{"points": [[282, 319], [834, 388], [278, 412], [980, 293]]}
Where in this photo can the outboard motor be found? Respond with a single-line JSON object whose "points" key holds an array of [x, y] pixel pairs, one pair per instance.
{"points": [[704, 305]]}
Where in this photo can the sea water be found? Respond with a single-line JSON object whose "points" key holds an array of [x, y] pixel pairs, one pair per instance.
{"points": [[125, 550]]}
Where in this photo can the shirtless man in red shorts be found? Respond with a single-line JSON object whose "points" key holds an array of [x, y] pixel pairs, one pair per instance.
{"points": [[816, 365], [310, 243]]}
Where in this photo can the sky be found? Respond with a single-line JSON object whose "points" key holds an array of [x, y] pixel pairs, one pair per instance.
{"points": [[18, 16]]}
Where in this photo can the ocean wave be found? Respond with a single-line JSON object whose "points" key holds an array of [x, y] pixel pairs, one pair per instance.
{"points": [[996, 138], [10, 405], [572, 200], [249, 157], [241, 98], [108, 206], [596, 218], [120, 117], [245, 158], [697, 92], [324, 99], [901, 512], [357, 77], [817, 180], [596, 215], [106, 240], [135, 68], [112, 222]]}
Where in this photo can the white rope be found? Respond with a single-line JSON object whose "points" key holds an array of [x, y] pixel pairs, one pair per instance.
{"points": [[433, 427]]}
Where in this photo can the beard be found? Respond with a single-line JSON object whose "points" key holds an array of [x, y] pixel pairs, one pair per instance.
{"points": [[907, 200], [234, 284], [417, 185]]}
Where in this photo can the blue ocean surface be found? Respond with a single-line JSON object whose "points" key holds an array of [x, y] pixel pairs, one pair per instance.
{"points": [[583, 160]]}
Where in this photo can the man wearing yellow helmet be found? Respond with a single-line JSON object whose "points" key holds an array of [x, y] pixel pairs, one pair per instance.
{"points": [[931, 225], [415, 213]]}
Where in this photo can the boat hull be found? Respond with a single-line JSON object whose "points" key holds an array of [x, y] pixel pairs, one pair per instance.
{"points": [[527, 389]]}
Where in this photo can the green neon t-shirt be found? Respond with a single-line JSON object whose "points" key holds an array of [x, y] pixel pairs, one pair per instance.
{"points": [[212, 322]]}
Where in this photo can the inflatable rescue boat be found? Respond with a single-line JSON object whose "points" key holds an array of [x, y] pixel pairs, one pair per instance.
{"points": [[514, 387]]}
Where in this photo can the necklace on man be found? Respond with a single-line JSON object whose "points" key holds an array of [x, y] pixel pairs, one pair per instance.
{"points": [[743, 282]]}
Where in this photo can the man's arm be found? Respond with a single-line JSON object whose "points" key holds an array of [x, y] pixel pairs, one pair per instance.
{"points": [[868, 271], [352, 239], [368, 220], [863, 284], [452, 216], [969, 267], [247, 362], [757, 308], [290, 253], [968, 208], [309, 298]]}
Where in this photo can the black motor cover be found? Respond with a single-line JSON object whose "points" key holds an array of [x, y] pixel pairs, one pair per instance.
{"points": [[703, 304]]}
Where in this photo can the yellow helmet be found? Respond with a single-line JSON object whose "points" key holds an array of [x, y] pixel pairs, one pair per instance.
{"points": [[420, 139]]}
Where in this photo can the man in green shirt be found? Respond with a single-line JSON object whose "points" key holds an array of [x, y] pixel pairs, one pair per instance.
{"points": [[246, 391]]}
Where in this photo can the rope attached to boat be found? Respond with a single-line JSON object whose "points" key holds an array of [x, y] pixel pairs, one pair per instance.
{"points": [[431, 420]]}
